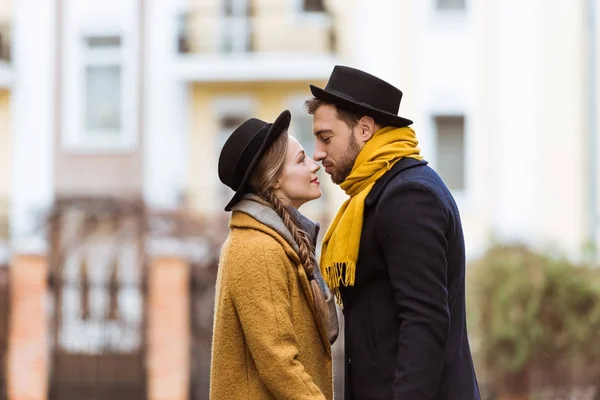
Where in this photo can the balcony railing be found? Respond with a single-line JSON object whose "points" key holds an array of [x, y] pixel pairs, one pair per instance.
{"points": [[206, 33]]}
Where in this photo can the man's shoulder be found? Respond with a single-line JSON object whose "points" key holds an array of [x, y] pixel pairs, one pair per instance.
{"points": [[415, 175]]}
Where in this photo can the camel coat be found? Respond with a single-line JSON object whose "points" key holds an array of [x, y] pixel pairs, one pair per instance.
{"points": [[266, 341]]}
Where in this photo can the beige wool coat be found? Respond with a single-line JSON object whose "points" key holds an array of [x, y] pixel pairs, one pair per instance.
{"points": [[266, 341]]}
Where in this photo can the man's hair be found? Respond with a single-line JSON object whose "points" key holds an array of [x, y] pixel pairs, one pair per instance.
{"points": [[351, 119]]}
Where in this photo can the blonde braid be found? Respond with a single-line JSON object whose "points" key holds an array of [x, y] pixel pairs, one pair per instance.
{"points": [[305, 252]]}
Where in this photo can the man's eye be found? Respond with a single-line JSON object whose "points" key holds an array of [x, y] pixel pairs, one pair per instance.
{"points": [[327, 139]]}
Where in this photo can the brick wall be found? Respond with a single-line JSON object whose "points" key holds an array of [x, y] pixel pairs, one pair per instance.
{"points": [[168, 329]]}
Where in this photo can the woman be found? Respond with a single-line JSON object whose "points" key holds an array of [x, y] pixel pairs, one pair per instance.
{"points": [[275, 318]]}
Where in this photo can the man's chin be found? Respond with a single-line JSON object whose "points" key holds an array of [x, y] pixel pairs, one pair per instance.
{"points": [[336, 179]]}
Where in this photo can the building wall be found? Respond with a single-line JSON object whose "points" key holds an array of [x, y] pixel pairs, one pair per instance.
{"points": [[536, 108], [561, 138], [507, 73], [89, 162]]}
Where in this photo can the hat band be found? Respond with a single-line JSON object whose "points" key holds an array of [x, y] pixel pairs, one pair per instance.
{"points": [[348, 97], [248, 154]]}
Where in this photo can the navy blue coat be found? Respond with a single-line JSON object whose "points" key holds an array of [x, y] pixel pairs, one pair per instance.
{"points": [[405, 323]]}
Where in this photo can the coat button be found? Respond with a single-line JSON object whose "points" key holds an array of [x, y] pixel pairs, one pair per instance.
{"points": [[349, 361]]}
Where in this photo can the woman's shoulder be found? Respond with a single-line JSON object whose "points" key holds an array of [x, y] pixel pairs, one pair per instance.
{"points": [[251, 244], [252, 240], [253, 255]]}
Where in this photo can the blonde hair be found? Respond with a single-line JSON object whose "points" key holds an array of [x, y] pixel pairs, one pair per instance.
{"points": [[262, 183]]}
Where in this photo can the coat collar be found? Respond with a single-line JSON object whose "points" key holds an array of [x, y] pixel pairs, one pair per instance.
{"points": [[404, 164], [261, 211]]}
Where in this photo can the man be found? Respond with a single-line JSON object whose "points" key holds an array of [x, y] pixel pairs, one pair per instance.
{"points": [[395, 252]]}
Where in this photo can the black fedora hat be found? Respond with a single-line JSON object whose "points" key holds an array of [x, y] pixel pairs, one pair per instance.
{"points": [[243, 150], [358, 92]]}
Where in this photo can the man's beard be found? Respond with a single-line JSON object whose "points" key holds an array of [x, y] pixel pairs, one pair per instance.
{"points": [[346, 162]]}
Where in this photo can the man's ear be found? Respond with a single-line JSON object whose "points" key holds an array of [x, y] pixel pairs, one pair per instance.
{"points": [[367, 128]]}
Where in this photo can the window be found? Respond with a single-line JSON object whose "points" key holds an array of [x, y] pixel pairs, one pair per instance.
{"points": [[101, 83], [5, 45], [102, 87], [450, 150], [184, 32], [301, 129], [103, 99], [301, 124], [235, 26], [446, 5], [313, 6]]}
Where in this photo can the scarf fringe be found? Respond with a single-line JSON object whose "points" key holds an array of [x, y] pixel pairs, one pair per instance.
{"points": [[340, 273]]}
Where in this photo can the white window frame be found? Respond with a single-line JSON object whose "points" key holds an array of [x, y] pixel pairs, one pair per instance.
{"points": [[76, 138]]}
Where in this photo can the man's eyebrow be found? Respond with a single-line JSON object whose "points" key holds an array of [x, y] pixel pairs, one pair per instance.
{"points": [[322, 131]]}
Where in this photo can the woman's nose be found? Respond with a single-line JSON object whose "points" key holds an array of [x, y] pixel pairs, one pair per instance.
{"points": [[315, 167]]}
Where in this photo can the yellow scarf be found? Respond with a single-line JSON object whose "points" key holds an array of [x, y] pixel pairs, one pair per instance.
{"points": [[340, 245]]}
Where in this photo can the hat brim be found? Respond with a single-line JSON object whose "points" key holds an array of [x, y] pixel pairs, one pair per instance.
{"points": [[346, 103], [281, 124]]}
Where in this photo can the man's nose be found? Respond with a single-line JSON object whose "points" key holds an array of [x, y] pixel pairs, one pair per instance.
{"points": [[319, 154]]}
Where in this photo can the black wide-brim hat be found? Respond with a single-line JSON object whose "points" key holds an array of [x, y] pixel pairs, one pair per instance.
{"points": [[244, 149], [361, 93]]}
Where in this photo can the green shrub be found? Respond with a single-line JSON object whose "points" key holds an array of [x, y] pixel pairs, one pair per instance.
{"points": [[533, 314]]}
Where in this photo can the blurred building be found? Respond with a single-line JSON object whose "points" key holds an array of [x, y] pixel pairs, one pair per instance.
{"points": [[118, 111], [88, 319], [113, 111], [504, 95]]}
